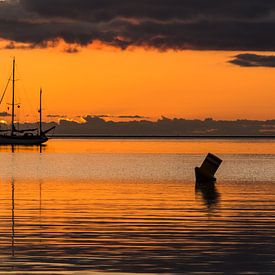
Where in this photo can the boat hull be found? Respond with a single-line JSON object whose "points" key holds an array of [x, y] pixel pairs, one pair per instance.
{"points": [[22, 140]]}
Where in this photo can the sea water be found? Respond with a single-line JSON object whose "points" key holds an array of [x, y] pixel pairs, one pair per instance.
{"points": [[132, 206]]}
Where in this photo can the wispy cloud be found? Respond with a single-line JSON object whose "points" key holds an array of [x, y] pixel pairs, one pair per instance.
{"points": [[253, 60], [122, 116], [133, 117]]}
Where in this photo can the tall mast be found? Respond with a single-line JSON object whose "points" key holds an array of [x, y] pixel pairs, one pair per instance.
{"points": [[13, 90], [40, 112]]}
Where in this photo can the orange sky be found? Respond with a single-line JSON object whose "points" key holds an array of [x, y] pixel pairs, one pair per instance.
{"points": [[189, 84]]}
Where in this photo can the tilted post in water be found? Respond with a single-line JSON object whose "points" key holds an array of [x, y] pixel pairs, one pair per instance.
{"points": [[209, 167]]}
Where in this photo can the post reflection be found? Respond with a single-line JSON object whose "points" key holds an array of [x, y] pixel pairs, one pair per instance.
{"points": [[209, 194], [40, 211], [12, 217]]}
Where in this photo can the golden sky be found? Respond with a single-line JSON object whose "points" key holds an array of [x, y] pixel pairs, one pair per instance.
{"points": [[101, 80]]}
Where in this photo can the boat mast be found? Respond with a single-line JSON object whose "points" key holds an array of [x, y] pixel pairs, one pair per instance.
{"points": [[40, 112], [13, 90]]}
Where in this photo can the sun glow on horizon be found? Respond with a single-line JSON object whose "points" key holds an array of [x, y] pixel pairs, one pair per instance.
{"points": [[100, 80]]}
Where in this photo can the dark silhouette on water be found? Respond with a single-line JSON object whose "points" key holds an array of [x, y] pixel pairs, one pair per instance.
{"points": [[26, 136], [208, 169], [209, 193]]}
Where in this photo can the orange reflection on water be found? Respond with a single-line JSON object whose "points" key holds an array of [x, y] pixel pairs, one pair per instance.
{"points": [[152, 146], [128, 226]]}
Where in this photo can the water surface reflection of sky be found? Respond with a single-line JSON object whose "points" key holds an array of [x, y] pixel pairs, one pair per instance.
{"points": [[66, 212]]}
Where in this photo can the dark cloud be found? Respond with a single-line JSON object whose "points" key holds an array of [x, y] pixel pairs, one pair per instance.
{"points": [[133, 117], [4, 114], [254, 60], [105, 116], [161, 24], [56, 116], [71, 50], [162, 10]]}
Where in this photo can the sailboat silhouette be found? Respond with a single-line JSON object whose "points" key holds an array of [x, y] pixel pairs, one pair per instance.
{"points": [[23, 137]]}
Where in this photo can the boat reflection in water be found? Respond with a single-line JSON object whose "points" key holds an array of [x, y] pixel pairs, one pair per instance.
{"points": [[14, 260], [23, 148], [12, 218]]}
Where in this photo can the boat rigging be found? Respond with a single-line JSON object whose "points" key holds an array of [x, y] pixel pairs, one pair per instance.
{"points": [[22, 137]]}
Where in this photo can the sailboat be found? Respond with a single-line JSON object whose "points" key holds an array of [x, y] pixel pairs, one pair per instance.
{"points": [[23, 137]]}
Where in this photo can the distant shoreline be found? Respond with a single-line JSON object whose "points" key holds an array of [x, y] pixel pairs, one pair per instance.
{"points": [[156, 137]]}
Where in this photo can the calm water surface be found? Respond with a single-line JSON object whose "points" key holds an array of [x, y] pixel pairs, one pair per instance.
{"points": [[131, 206]]}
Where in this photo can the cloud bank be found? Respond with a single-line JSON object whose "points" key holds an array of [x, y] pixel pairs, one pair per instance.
{"points": [[160, 24], [96, 126]]}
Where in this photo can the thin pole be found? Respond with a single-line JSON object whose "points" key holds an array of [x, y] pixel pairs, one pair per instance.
{"points": [[40, 111], [5, 91], [13, 90]]}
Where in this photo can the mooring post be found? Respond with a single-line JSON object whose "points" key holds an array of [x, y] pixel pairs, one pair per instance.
{"points": [[208, 169]]}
